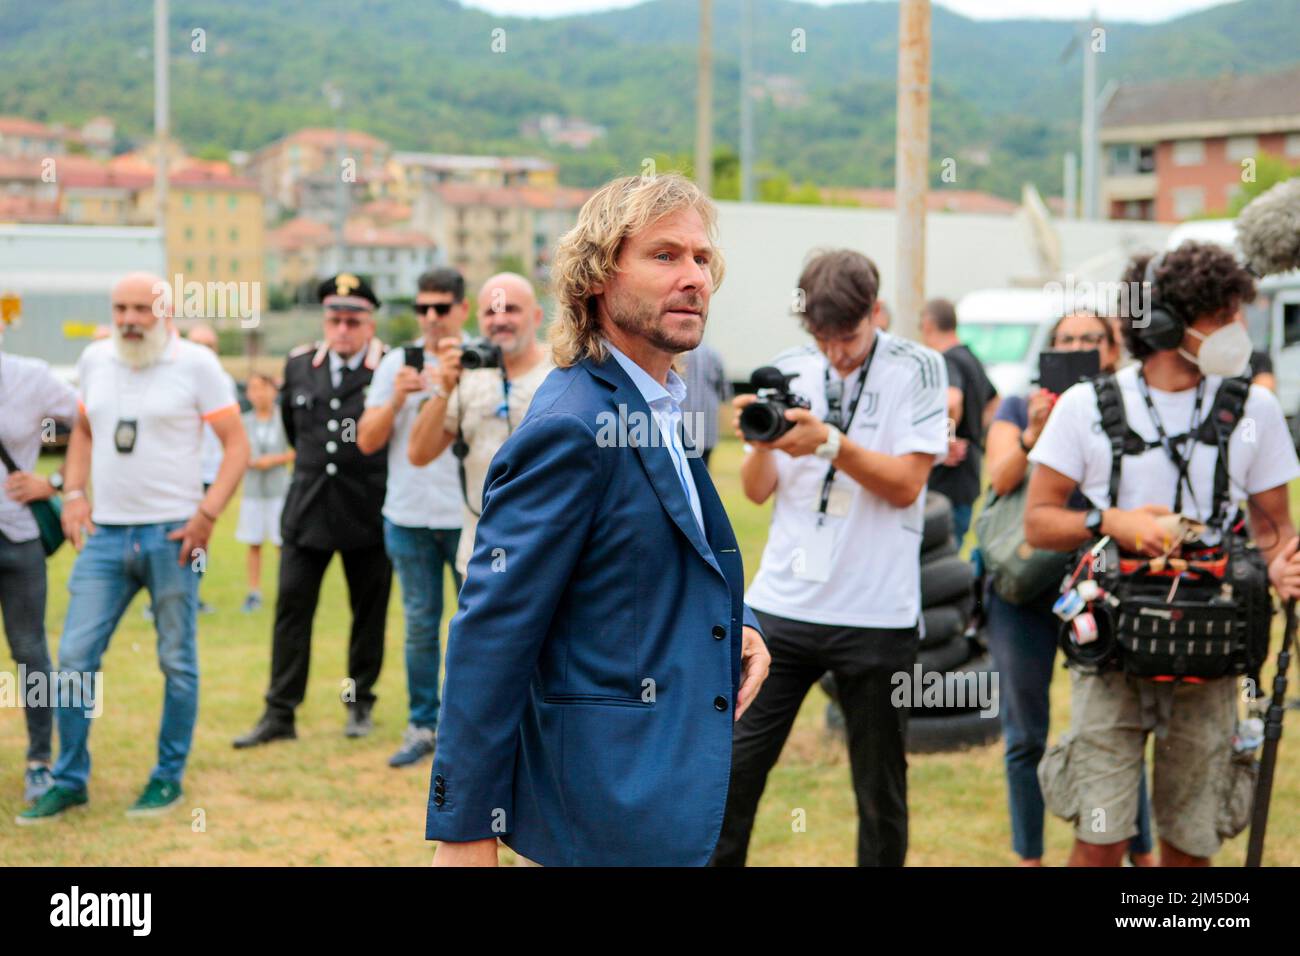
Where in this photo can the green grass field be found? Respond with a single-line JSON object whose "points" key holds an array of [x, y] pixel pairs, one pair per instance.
{"points": [[327, 800]]}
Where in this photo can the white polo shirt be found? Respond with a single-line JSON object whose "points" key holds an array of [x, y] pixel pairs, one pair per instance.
{"points": [[874, 548], [425, 496], [160, 480]]}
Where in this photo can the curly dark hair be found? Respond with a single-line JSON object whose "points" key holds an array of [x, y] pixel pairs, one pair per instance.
{"points": [[1195, 280]]}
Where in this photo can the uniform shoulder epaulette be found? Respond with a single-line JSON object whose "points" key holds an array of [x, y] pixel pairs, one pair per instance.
{"points": [[301, 350]]}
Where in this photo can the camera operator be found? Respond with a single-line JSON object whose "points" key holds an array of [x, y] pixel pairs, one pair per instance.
{"points": [[839, 584], [1022, 636], [482, 406], [1187, 345]]}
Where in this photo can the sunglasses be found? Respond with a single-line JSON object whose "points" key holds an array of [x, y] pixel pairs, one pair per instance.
{"points": [[1091, 339], [351, 321], [442, 308]]}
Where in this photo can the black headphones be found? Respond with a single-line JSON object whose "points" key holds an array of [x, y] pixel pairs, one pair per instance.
{"points": [[1164, 328]]}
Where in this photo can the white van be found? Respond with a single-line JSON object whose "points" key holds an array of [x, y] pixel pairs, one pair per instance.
{"points": [[1006, 329]]}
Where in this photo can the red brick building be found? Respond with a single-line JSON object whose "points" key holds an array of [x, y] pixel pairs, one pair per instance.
{"points": [[1181, 148]]}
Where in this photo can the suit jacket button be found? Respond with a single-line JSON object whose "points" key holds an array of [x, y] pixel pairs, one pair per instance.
{"points": [[719, 631], [719, 703], [438, 799], [437, 778], [331, 447], [331, 468], [335, 403], [332, 425]]}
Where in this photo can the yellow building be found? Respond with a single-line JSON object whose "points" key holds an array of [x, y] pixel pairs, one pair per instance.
{"points": [[216, 235]]}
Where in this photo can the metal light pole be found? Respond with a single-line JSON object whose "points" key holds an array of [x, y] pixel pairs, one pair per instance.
{"points": [[335, 98], [746, 102], [704, 102], [1089, 127], [161, 111], [911, 161]]}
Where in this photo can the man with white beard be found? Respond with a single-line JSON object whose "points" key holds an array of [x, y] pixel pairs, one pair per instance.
{"points": [[144, 395]]}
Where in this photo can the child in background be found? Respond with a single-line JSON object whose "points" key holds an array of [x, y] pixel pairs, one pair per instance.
{"points": [[265, 483]]}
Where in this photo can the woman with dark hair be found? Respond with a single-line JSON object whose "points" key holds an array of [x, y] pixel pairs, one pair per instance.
{"points": [[1022, 637]]}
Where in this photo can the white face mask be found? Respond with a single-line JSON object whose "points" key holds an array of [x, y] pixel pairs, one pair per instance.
{"points": [[1225, 352]]}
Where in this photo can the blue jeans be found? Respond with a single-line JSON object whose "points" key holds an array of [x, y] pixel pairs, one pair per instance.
{"points": [[1022, 640], [961, 515], [115, 563], [418, 555], [22, 603]]}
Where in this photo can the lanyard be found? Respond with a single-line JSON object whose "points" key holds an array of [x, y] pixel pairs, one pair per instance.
{"points": [[1181, 462], [841, 421]]}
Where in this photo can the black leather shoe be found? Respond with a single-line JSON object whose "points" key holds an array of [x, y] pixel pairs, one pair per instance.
{"points": [[359, 723], [267, 729]]}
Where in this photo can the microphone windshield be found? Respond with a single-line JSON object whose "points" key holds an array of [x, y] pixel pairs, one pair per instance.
{"points": [[1268, 230]]}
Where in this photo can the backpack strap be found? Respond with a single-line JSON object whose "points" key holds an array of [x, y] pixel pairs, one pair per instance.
{"points": [[1227, 410], [1123, 440]]}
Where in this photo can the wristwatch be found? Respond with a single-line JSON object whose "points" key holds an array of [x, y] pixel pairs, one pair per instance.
{"points": [[1092, 521], [829, 450], [56, 482]]}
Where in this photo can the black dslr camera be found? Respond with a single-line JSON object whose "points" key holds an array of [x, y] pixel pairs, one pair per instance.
{"points": [[479, 353], [764, 419]]}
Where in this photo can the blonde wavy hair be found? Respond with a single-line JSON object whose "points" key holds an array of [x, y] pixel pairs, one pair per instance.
{"points": [[587, 255]]}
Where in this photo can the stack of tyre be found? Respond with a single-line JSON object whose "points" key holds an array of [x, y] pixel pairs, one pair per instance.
{"points": [[948, 644]]}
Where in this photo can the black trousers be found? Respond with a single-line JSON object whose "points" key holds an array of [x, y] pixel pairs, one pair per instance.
{"points": [[369, 577], [863, 661]]}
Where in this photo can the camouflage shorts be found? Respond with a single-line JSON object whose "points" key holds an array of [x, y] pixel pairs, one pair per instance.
{"points": [[1201, 791]]}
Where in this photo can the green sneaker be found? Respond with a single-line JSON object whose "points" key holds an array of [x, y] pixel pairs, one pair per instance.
{"points": [[159, 796], [54, 802]]}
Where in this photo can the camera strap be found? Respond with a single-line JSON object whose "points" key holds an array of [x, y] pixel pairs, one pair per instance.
{"points": [[836, 417], [460, 448], [1174, 446]]}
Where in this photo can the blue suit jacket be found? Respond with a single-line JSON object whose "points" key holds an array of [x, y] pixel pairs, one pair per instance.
{"points": [[593, 665]]}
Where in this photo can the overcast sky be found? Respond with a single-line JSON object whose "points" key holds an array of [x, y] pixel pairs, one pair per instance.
{"points": [[1147, 11]]}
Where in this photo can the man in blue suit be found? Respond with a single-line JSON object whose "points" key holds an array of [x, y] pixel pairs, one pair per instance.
{"points": [[602, 651]]}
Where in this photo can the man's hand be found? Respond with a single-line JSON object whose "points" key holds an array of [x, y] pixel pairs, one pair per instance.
{"points": [[408, 382], [75, 518], [956, 452], [808, 432], [449, 362], [755, 660], [194, 536], [1138, 531], [474, 853], [1284, 570], [25, 487]]}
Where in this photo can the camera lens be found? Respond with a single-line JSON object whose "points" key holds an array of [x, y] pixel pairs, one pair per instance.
{"points": [[762, 421]]}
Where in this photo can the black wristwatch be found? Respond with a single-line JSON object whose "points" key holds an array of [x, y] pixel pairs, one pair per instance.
{"points": [[1092, 521], [56, 481]]}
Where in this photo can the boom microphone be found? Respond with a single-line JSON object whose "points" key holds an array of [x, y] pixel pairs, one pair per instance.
{"points": [[1268, 230]]}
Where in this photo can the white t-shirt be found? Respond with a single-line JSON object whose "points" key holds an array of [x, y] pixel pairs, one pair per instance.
{"points": [[213, 452], [1260, 452], [160, 479], [418, 497], [29, 395], [486, 430], [874, 559]]}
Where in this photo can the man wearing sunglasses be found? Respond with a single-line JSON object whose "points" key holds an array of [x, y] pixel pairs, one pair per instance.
{"points": [[333, 505], [422, 511]]}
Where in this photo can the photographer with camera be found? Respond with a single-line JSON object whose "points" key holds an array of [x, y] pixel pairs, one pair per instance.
{"points": [[847, 455], [1169, 607], [1022, 629], [422, 513], [482, 391]]}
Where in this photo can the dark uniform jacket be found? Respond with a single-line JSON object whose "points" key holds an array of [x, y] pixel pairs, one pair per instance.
{"points": [[337, 493]]}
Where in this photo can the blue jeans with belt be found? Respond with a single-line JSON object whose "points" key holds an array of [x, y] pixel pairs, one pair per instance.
{"points": [[116, 562], [418, 555], [1022, 640]]}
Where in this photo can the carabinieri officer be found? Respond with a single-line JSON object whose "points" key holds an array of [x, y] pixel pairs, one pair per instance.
{"points": [[333, 505]]}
